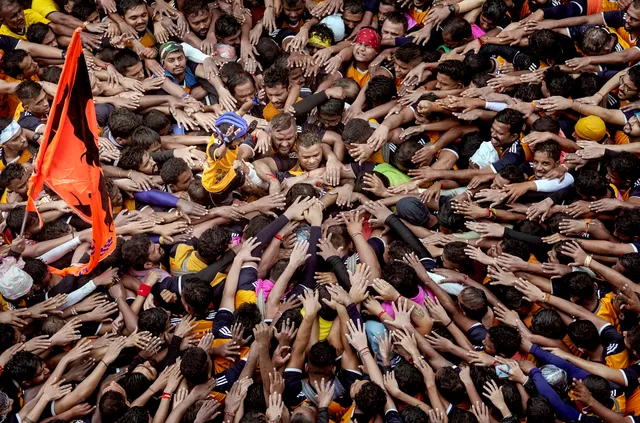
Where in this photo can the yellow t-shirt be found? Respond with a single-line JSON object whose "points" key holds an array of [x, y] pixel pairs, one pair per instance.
{"points": [[44, 7], [30, 17], [220, 172], [361, 77], [186, 261]]}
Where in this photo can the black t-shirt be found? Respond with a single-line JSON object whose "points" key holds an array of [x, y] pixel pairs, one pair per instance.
{"points": [[8, 43]]}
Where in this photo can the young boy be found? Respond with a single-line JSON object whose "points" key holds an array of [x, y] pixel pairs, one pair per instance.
{"points": [[546, 157], [221, 178]]}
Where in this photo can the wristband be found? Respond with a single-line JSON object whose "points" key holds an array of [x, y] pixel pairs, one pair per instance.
{"points": [[587, 261], [357, 233], [447, 325], [397, 298], [279, 237], [365, 349], [380, 314], [166, 395], [1, 369], [144, 290]]}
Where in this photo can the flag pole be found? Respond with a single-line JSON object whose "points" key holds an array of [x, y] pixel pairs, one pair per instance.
{"points": [[24, 221]]}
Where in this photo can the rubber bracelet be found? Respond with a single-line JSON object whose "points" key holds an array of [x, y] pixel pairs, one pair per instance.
{"points": [[447, 325], [144, 290], [279, 237], [166, 395]]}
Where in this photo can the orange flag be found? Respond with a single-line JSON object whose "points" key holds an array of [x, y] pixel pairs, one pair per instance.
{"points": [[69, 162]]}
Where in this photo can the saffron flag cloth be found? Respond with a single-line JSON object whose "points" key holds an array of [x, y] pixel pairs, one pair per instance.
{"points": [[69, 160]]}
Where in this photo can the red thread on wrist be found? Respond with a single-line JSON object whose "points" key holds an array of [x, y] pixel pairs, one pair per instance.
{"points": [[144, 290], [279, 237], [380, 314], [399, 296]]}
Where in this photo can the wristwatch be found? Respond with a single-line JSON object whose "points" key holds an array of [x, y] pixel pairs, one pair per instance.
{"points": [[452, 8]]}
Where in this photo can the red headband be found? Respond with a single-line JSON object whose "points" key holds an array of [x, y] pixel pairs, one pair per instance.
{"points": [[369, 37]]}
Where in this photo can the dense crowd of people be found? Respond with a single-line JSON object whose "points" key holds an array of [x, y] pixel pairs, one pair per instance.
{"points": [[418, 211]]}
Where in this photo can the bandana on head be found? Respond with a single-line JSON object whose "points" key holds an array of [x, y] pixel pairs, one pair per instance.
{"points": [[9, 132], [318, 40], [169, 47], [369, 37]]}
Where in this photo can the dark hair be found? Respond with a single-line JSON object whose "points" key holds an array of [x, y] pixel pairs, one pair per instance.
{"points": [[458, 28], [322, 354], [409, 52], [194, 365], [256, 224], [356, 131], [275, 76], [413, 414], [268, 51], [474, 302], [371, 398], [450, 385], [112, 406], [153, 320], [551, 47], [402, 277], [353, 6], [634, 75], [628, 223], [131, 158], [506, 340], [584, 334], [191, 7], [10, 173], [122, 123], [11, 62], [134, 384], [449, 219], [580, 285], [156, 120], [226, 25], [539, 410], [172, 169], [548, 323], [631, 264], [135, 415], [410, 380], [406, 151], [469, 144], [15, 217], [7, 336], [454, 69], [511, 117], [398, 17], [454, 252], [125, 59], [528, 93], [546, 124], [144, 137], [380, 90], [591, 183], [213, 242], [27, 90], [600, 389], [334, 106], [516, 247], [626, 165], [551, 147], [37, 32], [82, 9], [585, 85], [481, 80], [198, 295], [124, 5], [135, 251], [248, 315], [51, 74], [558, 82], [494, 10], [323, 32], [23, 366], [476, 63]]}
